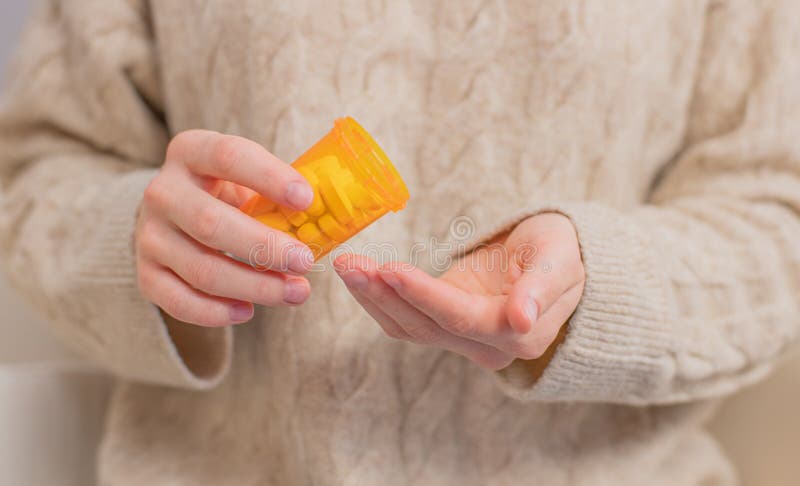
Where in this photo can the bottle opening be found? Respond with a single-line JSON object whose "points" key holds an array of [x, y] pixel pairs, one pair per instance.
{"points": [[372, 165]]}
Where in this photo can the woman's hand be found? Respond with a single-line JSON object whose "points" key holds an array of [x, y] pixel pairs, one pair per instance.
{"points": [[503, 301], [188, 221]]}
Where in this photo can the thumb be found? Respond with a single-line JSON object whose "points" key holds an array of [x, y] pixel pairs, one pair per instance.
{"points": [[547, 267]]}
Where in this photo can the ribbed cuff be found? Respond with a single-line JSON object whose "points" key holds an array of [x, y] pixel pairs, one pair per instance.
{"points": [[124, 332], [617, 346]]}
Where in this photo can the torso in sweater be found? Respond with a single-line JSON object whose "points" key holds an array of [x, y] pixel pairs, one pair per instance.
{"points": [[484, 107]]}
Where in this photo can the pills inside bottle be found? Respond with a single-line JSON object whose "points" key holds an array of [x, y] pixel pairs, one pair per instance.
{"points": [[354, 184]]}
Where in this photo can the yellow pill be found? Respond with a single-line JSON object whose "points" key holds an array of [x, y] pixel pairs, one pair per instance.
{"points": [[296, 218], [308, 233], [307, 172], [336, 199], [317, 242], [327, 163], [323, 241], [330, 161], [361, 197], [332, 228], [317, 207], [361, 220], [333, 171], [342, 177], [318, 249], [275, 220]]}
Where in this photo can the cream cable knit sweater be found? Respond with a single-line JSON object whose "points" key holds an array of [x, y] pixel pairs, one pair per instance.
{"points": [[669, 131]]}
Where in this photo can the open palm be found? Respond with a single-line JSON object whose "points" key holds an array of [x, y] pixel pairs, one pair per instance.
{"points": [[507, 299]]}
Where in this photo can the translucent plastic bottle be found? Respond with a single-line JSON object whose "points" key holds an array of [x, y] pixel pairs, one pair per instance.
{"points": [[354, 184]]}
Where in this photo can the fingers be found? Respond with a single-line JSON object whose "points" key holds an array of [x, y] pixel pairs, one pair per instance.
{"points": [[486, 313], [455, 310], [164, 289], [242, 161], [230, 193], [215, 274], [189, 215], [553, 273], [401, 320], [356, 280], [222, 227], [362, 278], [550, 322]]}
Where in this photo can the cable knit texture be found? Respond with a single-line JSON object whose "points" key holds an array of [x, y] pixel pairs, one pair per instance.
{"points": [[667, 131]]}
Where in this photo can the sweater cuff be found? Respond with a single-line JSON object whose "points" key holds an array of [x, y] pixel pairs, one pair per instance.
{"points": [[126, 333], [617, 345]]}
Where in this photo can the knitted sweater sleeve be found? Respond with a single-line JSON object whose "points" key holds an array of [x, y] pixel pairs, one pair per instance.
{"points": [[82, 134], [696, 292]]}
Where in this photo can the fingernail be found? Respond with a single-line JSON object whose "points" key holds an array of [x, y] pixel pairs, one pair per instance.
{"points": [[390, 279], [296, 291], [300, 259], [299, 195], [355, 279], [241, 312], [531, 309]]}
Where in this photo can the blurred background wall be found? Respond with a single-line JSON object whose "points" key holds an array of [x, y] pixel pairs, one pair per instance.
{"points": [[34, 342], [51, 404]]}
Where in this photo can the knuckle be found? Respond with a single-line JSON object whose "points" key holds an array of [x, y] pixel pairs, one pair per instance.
{"points": [[207, 223], [460, 325], [423, 334], [155, 194], [175, 146], [147, 238], [263, 256], [203, 273], [174, 304], [381, 299], [268, 292], [225, 154]]}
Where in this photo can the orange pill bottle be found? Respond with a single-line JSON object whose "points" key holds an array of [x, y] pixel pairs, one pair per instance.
{"points": [[354, 184]]}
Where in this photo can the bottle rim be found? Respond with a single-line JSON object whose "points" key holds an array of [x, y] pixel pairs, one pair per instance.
{"points": [[371, 164]]}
